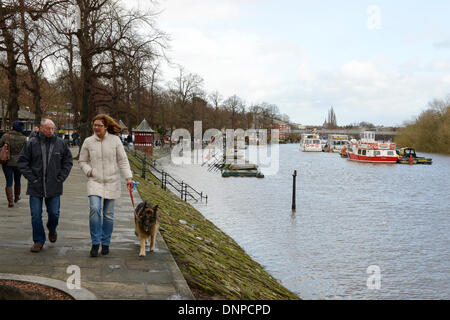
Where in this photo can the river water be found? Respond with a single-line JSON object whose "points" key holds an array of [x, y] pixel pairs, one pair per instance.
{"points": [[350, 216]]}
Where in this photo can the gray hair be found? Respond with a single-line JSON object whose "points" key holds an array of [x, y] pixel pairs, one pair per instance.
{"points": [[45, 121]]}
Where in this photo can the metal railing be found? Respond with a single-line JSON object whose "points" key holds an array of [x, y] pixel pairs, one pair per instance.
{"points": [[186, 192]]}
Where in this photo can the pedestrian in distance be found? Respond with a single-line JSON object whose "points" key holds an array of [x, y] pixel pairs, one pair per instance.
{"points": [[103, 160], [34, 133], [75, 137], [45, 161], [16, 141]]}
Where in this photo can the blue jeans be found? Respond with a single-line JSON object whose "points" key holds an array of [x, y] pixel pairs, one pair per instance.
{"points": [[101, 229], [52, 205], [12, 174]]}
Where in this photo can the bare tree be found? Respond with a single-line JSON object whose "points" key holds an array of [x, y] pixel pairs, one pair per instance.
{"points": [[235, 106], [186, 86], [215, 99], [35, 46], [105, 27], [8, 47]]}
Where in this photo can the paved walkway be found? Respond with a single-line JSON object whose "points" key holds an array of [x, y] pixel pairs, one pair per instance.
{"points": [[119, 275]]}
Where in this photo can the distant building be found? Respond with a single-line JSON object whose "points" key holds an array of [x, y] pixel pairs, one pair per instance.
{"points": [[144, 137], [284, 128], [124, 127], [25, 116], [298, 126]]}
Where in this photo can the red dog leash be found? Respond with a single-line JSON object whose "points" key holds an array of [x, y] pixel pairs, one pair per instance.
{"points": [[130, 188]]}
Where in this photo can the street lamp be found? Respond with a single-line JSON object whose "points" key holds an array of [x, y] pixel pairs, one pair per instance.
{"points": [[69, 107]]}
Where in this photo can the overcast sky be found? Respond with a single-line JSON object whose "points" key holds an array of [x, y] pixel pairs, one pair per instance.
{"points": [[375, 61]]}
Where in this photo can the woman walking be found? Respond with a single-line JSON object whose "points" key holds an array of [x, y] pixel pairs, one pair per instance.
{"points": [[16, 140], [103, 160]]}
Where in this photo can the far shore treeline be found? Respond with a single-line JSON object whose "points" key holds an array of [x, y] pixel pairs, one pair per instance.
{"points": [[430, 132]]}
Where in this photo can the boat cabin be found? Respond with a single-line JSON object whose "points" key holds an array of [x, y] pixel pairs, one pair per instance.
{"points": [[376, 153], [368, 136], [338, 142]]}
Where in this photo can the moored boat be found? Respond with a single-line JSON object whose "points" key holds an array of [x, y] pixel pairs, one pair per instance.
{"points": [[310, 143], [408, 156], [337, 142], [367, 149]]}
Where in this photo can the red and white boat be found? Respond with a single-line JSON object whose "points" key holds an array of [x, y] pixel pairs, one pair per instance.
{"points": [[369, 150], [310, 143]]}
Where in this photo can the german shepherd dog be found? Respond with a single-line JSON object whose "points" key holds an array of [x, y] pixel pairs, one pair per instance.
{"points": [[146, 225]]}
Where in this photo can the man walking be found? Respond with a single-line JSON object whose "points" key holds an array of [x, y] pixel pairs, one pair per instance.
{"points": [[75, 138], [45, 161], [34, 133]]}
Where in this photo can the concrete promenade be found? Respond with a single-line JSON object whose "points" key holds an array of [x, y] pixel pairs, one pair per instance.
{"points": [[119, 275]]}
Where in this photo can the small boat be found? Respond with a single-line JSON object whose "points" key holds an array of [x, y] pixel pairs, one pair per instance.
{"points": [[310, 143], [344, 153], [367, 149], [408, 156]]}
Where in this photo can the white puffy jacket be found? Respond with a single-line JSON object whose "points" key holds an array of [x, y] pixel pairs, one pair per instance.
{"points": [[107, 160]]}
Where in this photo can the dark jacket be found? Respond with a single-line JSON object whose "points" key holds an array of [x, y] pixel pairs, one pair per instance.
{"points": [[33, 134], [45, 178], [16, 142]]}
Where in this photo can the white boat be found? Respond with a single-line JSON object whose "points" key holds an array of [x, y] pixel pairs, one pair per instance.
{"points": [[310, 143], [337, 142]]}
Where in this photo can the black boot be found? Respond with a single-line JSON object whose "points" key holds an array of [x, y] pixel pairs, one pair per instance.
{"points": [[105, 250], [94, 250]]}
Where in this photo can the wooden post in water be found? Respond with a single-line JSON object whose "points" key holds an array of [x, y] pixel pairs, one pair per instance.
{"points": [[294, 177]]}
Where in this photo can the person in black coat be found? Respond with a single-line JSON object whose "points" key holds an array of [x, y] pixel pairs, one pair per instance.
{"points": [[45, 161]]}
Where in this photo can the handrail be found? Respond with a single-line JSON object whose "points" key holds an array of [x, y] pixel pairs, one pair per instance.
{"points": [[167, 179]]}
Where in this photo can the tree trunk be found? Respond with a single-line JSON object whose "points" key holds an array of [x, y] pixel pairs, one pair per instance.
{"points": [[11, 67], [13, 99], [37, 101]]}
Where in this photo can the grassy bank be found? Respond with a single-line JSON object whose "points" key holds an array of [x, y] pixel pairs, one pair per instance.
{"points": [[213, 264]]}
